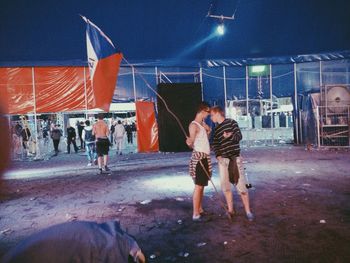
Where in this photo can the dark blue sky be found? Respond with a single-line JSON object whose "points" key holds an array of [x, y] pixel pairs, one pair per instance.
{"points": [[33, 31]]}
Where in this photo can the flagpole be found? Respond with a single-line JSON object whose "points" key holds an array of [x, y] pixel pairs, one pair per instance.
{"points": [[134, 83], [86, 99]]}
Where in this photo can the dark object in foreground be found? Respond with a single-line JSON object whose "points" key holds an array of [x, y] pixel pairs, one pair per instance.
{"points": [[78, 241], [248, 186]]}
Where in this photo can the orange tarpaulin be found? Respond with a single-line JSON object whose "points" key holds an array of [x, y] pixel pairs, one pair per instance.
{"points": [[56, 89], [16, 90], [147, 128], [59, 89]]}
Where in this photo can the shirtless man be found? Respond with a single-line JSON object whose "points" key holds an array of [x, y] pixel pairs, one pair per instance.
{"points": [[101, 132]]}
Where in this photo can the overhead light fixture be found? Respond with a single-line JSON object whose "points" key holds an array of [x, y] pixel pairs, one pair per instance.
{"points": [[220, 30]]}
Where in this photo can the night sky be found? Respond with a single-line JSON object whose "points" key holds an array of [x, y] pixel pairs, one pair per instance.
{"points": [[34, 31]]}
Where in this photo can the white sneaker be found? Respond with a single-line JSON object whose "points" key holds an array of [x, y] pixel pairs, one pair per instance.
{"points": [[89, 164], [197, 218]]}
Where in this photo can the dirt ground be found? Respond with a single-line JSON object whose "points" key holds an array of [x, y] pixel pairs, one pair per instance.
{"points": [[293, 190]]}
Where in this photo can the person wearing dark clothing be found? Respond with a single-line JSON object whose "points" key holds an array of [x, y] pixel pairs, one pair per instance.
{"points": [[56, 134], [25, 134], [78, 241], [18, 129], [111, 132], [80, 127], [226, 139], [71, 137], [128, 129]]}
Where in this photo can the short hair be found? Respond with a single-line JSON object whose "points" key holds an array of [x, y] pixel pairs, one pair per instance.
{"points": [[119, 122], [100, 116], [87, 122], [218, 109], [203, 106]]}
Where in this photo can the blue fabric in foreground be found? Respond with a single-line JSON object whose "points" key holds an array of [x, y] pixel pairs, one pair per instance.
{"points": [[79, 241]]}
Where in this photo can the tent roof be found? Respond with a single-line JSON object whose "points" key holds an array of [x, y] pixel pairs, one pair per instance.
{"points": [[168, 32]]}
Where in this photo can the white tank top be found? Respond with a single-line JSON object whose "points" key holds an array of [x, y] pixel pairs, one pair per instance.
{"points": [[201, 142]]}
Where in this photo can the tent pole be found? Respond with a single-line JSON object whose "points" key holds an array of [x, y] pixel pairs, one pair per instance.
{"points": [[271, 106], [155, 100], [134, 83], [246, 89], [318, 127], [201, 80], [86, 99], [321, 81], [296, 105], [225, 88], [156, 70], [37, 150]]}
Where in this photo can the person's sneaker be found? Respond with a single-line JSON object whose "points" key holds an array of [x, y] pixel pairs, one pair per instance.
{"points": [[100, 169], [250, 217], [89, 164], [197, 218], [106, 169]]}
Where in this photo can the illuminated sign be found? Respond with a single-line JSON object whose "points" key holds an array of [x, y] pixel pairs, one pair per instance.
{"points": [[259, 70]]}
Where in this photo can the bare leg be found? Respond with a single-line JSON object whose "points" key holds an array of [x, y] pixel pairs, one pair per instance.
{"points": [[229, 200], [105, 160], [100, 162], [197, 199], [201, 201], [245, 200]]}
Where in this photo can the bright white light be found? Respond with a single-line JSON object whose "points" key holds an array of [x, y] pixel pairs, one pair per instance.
{"points": [[220, 29]]}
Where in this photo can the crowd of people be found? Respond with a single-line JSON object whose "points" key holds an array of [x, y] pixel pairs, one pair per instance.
{"points": [[78, 135]]}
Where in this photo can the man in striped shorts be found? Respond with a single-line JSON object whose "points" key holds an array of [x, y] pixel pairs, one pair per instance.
{"points": [[200, 165], [227, 136]]}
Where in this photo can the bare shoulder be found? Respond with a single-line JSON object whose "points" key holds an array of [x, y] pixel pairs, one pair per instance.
{"points": [[193, 126]]}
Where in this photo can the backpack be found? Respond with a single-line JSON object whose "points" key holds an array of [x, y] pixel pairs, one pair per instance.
{"points": [[89, 137]]}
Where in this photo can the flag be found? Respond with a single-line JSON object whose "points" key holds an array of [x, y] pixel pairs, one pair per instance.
{"points": [[104, 62]]}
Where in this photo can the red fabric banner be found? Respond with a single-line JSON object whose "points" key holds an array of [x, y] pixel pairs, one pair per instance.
{"points": [[147, 128]]}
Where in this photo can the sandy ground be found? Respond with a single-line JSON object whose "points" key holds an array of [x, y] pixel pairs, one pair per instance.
{"points": [[293, 190]]}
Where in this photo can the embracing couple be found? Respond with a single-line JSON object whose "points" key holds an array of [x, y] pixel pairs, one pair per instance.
{"points": [[225, 144]]}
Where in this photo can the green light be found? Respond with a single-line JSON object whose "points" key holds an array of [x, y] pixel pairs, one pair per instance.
{"points": [[258, 69]]}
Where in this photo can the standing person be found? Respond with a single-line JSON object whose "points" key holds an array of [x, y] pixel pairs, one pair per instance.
{"points": [[119, 136], [56, 134], [90, 144], [200, 164], [101, 132], [128, 129], [26, 135], [71, 138], [112, 131], [80, 127], [227, 136]]}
